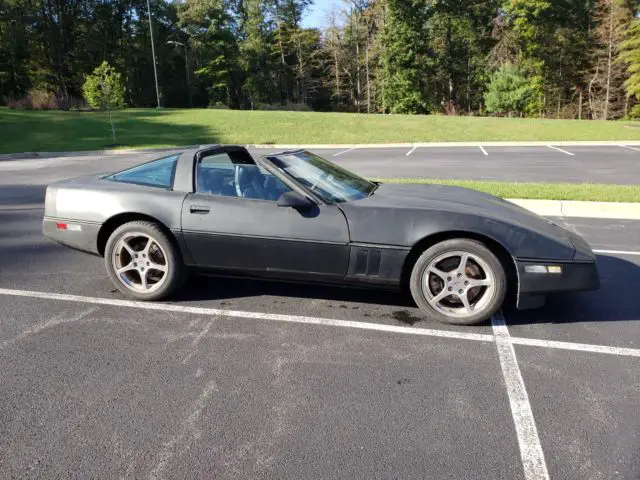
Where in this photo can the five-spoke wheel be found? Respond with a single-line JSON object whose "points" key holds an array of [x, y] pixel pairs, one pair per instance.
{"points": [[458, 281], [140, 262], [143, 262]]}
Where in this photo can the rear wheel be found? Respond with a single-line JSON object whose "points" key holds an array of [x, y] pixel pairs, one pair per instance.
{"points": [[142, 261], [458, 281]]}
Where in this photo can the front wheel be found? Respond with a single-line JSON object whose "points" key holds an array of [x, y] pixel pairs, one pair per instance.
{"points": [[142, 261], [458, 281]]}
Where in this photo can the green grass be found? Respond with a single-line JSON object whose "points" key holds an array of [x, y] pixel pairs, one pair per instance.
{"points": [[28, 131], [540, 191]]}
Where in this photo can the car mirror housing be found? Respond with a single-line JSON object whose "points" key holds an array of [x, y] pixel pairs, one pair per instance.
{"points": [[295, 200]]}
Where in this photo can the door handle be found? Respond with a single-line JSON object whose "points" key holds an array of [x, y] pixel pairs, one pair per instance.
{"points": [[199, 209]]}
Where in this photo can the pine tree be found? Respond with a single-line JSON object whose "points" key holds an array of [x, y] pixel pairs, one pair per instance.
{"points": [[630, 56], [404, 59]]}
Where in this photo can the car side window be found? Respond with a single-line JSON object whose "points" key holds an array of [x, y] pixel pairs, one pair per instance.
{"points": [[227, 175], [157, 173]]}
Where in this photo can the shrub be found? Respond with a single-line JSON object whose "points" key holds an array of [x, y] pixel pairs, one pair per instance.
{"points": [[219, 106], [43, 100], [287, 107], [35, 99]]}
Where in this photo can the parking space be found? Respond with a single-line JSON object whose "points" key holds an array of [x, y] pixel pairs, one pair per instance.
{"points": [[247, 379], [608, 164], [141, 394], [585, 406], [408, 162]]}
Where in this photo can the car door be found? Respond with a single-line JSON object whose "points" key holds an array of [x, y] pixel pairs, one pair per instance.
{"points": [[235, 224]]}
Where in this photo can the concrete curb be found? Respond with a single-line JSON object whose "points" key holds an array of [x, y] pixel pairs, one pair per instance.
{"points": [[577, 209], [280, 146]]}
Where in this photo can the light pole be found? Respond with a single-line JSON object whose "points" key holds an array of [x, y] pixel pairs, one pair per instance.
{"points": [[186, 67], [153, 53]]}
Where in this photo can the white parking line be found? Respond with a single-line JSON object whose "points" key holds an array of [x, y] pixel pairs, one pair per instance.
{"points": [[344, 151], [253, 315], [617, 252], [582, 347], [318, 321], [630, 148], [535, 467], [483, 150], [410, 151], [479, 337], [560, 150]]}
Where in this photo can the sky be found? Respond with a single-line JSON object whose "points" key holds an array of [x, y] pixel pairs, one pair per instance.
{"points": [[316, 15]]}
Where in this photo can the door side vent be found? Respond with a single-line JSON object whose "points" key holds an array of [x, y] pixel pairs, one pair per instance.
{"points": [[361, 262], [366, 262], [373, 266]]}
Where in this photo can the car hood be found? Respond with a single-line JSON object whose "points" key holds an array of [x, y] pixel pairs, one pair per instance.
{"points": [[445, 198], [417, 194]]}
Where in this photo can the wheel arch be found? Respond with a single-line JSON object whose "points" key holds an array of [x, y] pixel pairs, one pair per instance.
{"points": [[120, 219], [498, 249]]}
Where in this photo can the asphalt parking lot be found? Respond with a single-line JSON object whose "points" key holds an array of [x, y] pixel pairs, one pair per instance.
{"points": [[593, 164], [244, 379]]}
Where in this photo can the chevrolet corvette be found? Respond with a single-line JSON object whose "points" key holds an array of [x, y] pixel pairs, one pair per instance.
{"points": [[296, 216]]}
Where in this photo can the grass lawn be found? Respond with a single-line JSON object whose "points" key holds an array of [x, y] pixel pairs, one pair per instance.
{"points": [[541, 191], [28, 131]]}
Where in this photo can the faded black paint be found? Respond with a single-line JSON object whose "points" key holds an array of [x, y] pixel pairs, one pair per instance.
{"points": [[364, 241]]}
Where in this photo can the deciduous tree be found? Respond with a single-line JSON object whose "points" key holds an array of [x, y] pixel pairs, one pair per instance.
{"points": [[103, 90]]}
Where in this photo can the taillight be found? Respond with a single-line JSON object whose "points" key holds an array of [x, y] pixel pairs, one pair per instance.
{"points": [[73, 227]]}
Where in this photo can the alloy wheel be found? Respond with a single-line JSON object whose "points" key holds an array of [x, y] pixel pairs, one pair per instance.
{"points": [[140, 263], [458, 284]]}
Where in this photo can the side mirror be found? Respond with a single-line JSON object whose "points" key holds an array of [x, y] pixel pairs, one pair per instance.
{"points": [[295, 200]]}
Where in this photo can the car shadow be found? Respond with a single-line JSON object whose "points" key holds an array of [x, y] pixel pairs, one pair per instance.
{"points": [[616, 300], [203, 287]]}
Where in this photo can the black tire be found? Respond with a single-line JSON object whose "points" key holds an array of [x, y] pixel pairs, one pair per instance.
{"points": [[446, 310], [175, 274]]}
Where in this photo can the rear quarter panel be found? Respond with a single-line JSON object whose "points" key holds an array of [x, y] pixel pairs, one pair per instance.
{"points": [[90, 204], [96, 202]]}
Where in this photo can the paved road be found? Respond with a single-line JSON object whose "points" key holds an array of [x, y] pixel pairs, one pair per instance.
{"points": [[607, 164], [94, 387]]}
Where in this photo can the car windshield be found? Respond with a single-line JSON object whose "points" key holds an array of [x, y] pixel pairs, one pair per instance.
{"points": [[330, 182]]}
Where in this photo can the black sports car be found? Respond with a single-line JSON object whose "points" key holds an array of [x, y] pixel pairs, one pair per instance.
{"points": [[296, 216]]}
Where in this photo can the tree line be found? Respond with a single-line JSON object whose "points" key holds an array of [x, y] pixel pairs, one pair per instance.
{"points": [[538, 58]]}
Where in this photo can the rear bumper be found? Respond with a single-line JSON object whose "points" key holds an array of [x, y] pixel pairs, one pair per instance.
{"points": [[79, 235], [575, 276]]}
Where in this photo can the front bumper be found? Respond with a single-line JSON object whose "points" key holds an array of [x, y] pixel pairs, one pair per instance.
{"points": [[83, 236], [575, 276]]}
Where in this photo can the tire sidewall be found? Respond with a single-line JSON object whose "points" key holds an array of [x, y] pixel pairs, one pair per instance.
{"points": [[471, 246], [175, 268]]}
